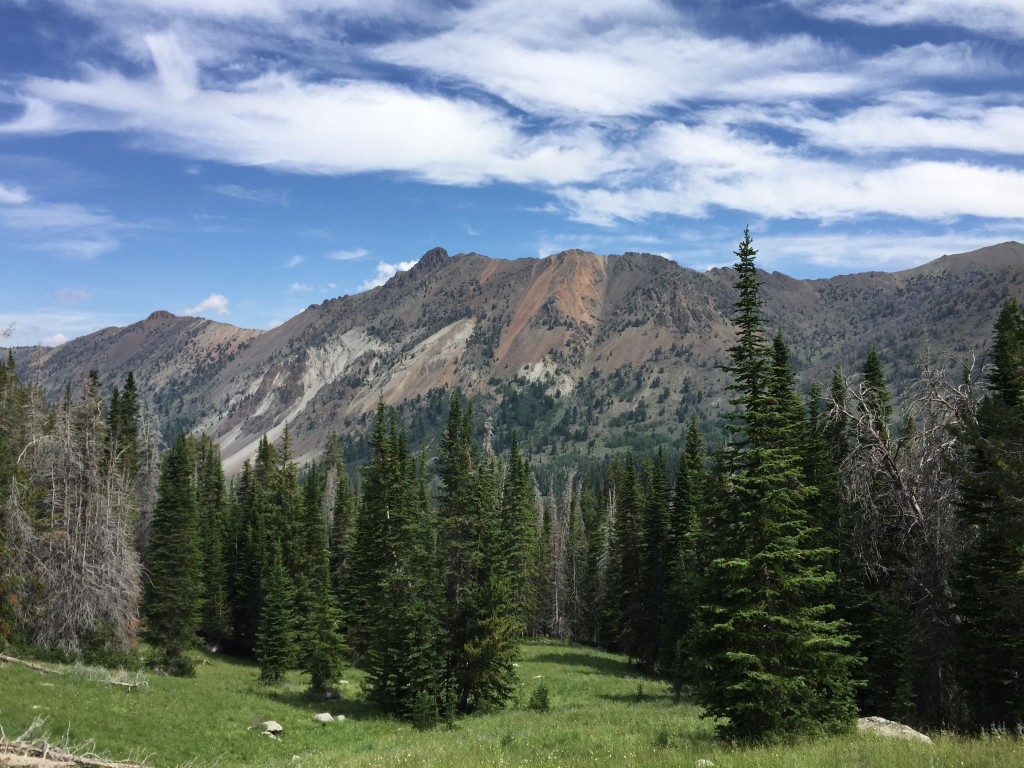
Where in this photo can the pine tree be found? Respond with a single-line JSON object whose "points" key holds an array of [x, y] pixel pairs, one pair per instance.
{"points": [[684, 527], [655, 561], [519, 526], [174, 585], [321, 645], [213, 511], [342, 535], [479, 613], [988, 576], [765, 657], [628, 563], [275, 636], [397, 597]]}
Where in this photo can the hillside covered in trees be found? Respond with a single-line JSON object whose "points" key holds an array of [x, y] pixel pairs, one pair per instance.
{"points": [[858, 549]]}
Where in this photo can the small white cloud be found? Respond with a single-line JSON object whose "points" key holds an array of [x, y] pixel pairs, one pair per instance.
{"points": [[300, 288], [69, 296], [294, 261], [385, 272], [273, 324], [215, 304], [354, 255], [251, 195], [54, 341], [13, 195], [193, 170]]}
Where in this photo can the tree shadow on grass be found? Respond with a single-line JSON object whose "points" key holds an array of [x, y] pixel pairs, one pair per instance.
{"points": [[601, 664], [355, 709]]}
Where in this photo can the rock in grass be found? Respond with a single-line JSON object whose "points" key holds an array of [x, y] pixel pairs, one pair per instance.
{"points": [[702, 763], [879, 726], [324, 717], [273, 727]]}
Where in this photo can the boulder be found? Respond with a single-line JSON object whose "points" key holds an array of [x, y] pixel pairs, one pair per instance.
{"points": [[272, 727], [324, 717], [879, 726], [702, 763]]}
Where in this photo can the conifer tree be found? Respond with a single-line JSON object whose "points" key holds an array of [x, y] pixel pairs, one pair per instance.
{"points": [[684, 526], [628, 563], [212, 499], [396, 591], [341, 539], [174, 587], [655, 561], [765, 657], [988, 576], [519, 526], [320, 642], [275, 635], [479, 618]]}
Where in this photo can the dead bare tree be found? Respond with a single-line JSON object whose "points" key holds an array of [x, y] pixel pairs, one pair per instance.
{"points": [[70, 528], [901, 484]]}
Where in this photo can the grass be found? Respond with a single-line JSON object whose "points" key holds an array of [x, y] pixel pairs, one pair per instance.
{"points": [[602, 713]]}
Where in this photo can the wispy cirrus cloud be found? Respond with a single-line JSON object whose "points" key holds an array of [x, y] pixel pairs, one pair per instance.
{"points": [[68, 229], [294, 261], [354, 254], [276, 196], [1002, 17]]}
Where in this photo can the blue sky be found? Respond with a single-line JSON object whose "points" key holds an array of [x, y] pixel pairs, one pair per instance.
{"points": [[242, 159]]}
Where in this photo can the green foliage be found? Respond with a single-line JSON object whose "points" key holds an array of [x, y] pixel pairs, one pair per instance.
{"points": [[539, 699], [988, 574], [174, 588], [765, 659], [275, 638]]}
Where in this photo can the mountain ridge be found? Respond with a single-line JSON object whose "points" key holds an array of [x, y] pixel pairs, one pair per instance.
{"points": [[611, 347]]}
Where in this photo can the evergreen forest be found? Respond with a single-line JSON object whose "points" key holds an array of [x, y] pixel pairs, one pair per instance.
{"points": [[846, 550]]}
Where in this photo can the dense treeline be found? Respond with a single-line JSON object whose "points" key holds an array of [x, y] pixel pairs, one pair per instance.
{"points": [[853, 550]]}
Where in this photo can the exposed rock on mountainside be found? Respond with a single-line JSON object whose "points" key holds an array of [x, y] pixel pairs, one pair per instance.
{"points": [[579, 351]]}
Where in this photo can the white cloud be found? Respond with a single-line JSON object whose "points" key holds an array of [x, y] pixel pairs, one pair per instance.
{"points": [[300, 288], [13, 195], [694, 170], [49, 326], [252, 195], [215, 304], [1001, 17], [71, 296], [923, 122], [68, 229], [278, 121], [385, 272], [54, 341], [294, 261], [353, 255], [888, 250]]}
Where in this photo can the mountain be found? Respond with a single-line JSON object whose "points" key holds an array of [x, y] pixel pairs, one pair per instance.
{"points": [[581, 353]]}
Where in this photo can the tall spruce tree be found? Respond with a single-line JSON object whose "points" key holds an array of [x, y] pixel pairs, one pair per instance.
{"points": [[684, 527], [396, 593], [275, 634], [479, 613], [173, 596], [988, 576], [767, 661], [656, 561]]}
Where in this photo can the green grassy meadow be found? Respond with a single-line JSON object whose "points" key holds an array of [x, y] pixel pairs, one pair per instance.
{"points": [[596, 719]]}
